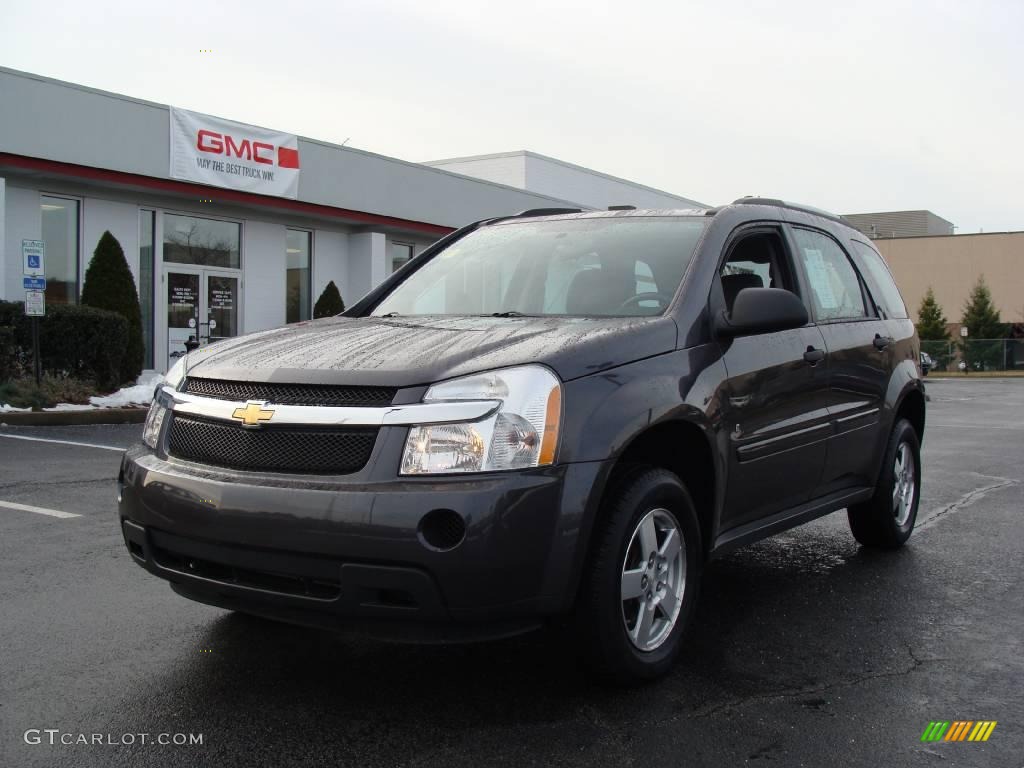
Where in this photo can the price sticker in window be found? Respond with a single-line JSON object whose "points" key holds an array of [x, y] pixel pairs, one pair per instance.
{"points": [[820, 275]]}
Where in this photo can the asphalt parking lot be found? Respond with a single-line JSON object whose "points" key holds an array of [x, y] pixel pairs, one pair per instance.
{"points": [[807, 650]]}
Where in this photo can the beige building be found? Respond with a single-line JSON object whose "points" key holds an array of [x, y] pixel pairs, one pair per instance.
{"points": [[951, 264], [899, 223]]}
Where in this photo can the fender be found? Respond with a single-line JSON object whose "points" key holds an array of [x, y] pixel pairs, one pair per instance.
{"points": [[610, 411]]}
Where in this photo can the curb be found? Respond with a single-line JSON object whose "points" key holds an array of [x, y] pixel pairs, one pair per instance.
{"points": [[74, 418]]}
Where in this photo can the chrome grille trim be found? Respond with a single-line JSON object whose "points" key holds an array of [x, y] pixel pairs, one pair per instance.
{"points": [[349, 416]]}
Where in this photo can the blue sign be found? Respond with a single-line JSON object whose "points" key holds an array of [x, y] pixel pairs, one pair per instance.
{"points": [[34, 283], [33, 260]]}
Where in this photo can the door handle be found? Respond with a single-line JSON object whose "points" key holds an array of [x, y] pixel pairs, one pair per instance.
{"points": [[881, 342], [814, 356]]}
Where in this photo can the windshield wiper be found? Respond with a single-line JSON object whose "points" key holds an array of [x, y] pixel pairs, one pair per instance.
{"points": [[392, 314], [508, 313]]}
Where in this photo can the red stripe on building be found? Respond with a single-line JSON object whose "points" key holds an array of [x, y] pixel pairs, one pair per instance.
{"points": [[217, 194]]}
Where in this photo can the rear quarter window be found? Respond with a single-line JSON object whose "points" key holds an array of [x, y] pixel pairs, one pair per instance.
{"points": [[880, 280]]}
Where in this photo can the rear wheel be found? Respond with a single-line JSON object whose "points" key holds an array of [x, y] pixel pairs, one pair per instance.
{"points": [[887, 520], [641, 586]]}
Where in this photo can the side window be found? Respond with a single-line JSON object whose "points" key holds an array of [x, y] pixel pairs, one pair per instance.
{"points": [[835, 288], [884, 287], [755, 261]]}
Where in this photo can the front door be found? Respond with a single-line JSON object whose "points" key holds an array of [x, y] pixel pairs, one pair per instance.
{"points": [[202, 306], [774, 412]]}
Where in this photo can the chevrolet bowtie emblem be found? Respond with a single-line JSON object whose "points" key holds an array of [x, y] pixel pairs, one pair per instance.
{"points": [[253, 413]]}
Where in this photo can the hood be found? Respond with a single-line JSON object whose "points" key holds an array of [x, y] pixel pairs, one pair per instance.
{"points": [[405, 352]]}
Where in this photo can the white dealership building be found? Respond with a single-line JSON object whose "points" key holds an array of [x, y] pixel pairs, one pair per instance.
{"points": [[230, 228]]}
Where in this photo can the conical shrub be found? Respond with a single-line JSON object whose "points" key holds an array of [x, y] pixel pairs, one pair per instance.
{"points": [[109, 285]]}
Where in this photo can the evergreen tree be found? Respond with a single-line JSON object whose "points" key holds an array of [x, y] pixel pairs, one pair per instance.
{"points": [[329, 304], [982, 321], [931, 322], [109, 285]]}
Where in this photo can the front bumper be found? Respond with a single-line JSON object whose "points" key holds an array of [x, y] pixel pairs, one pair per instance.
{"points": [[349, 552]]}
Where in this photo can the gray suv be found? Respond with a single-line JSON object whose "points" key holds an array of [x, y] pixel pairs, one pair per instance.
{"points": [[550, 418]]}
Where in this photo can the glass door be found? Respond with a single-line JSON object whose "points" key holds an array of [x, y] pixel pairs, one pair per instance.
{"points": [[221, 307], [182, 311], [202, 307]]}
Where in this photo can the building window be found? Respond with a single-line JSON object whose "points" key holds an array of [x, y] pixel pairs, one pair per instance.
{"points": [[297, 283], [400, 253], [209, 242], [147, 239], [61, 238]]}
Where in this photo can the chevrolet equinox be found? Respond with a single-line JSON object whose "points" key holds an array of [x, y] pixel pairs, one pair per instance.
{"points": [[558, 415]]}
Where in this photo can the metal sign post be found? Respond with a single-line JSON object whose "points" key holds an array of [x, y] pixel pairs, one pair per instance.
{"points": [[33, 253], [35, 307]]}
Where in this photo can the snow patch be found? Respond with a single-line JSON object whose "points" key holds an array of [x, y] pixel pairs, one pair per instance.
{"points": [[141, 393]]}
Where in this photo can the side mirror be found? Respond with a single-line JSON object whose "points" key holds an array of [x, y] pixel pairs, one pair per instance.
{"points": [[763, 310]]}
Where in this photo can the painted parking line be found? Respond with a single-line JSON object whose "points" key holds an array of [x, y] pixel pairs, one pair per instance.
{"points": [[37, 510], [62, 442], [975, 426]]}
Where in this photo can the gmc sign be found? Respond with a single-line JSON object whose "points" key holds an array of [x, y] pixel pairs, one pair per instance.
{"points": [[223, 153], [245, 149]]}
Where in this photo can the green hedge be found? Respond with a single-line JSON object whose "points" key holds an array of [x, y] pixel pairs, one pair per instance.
{"points": [[82, 342]]}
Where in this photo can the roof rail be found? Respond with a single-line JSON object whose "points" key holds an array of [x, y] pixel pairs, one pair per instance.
{"points": [[773, 201], [546, 212]]}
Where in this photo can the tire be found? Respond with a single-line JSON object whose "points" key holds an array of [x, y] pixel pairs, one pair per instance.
{"points": [[631, 641], [887, 520]]}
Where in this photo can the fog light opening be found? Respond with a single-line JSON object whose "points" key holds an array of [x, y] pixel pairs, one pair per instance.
{"points": [[442, 529]]}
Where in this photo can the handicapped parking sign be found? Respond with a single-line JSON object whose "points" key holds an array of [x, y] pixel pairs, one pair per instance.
{"points": [[32, 253]]}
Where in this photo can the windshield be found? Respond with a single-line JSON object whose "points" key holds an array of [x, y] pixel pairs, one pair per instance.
{"points": [[619, 267]]}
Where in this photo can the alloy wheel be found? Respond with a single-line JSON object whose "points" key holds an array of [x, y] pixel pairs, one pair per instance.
{"points": [[904, 486], [653, 579]]}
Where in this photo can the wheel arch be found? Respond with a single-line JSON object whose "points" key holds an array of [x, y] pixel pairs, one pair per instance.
{"points": [[911, 406], [683, 445]]}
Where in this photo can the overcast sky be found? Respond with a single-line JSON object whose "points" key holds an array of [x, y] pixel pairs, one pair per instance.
{"points": [[865, 107]]}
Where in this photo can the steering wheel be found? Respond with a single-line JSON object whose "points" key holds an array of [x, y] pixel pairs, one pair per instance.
{"points": [[646, 296]]}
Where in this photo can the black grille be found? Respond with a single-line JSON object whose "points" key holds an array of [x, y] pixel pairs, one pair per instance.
{"points": [[291, 394], [272, 449], [286, 583]]}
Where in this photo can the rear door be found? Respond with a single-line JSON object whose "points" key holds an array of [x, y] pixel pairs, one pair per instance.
{"points": [[774, 415], [859, 348]]}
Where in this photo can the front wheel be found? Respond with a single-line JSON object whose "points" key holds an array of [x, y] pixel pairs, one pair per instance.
{"points": [[887, 520], [642, 582]]}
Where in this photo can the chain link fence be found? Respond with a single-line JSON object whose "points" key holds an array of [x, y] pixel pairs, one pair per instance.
{"points": [[976, 354]]}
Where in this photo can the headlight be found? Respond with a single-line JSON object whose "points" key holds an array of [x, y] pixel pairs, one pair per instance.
{"points": [[154, 421], [158, 410], [522, 433]]}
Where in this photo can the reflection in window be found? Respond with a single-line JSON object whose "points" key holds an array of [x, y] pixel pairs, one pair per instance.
{"points": [[400, 254], [222, 306], [888, 293], [297, 280], [60, 234], [192, 240], [147, 237]]}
